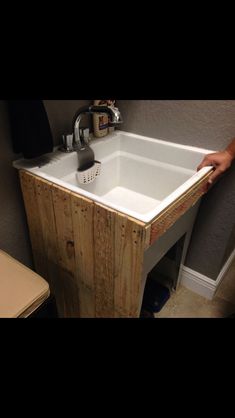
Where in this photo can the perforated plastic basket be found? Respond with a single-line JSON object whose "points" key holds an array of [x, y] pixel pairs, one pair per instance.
{"points": [[89, 175]]}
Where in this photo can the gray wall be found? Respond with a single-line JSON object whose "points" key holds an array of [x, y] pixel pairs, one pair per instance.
{"points": [[14, 235], [61, 113], [230, 245], [209, 124]]}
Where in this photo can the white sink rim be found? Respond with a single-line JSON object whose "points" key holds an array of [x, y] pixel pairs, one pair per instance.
{"points": [[148, 217]]}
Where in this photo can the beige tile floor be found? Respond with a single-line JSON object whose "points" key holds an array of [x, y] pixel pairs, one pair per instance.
{"points": [[186, 304]]}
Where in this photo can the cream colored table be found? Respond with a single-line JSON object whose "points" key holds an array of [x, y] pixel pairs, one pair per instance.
{"points": [[22, 291]]}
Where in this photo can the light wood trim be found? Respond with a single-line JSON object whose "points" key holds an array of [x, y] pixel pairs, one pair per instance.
{"points": [[45, 213], [104, 251], [147, 236], [66, 251], [173, 212], [129, 253], [82, 216], [27, 182]]}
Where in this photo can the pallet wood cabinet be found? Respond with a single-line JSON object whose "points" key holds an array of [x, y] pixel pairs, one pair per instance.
{"points": [[92, 256]]}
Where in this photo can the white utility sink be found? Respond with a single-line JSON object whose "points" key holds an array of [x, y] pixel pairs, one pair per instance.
{"points": [[140, 176]]}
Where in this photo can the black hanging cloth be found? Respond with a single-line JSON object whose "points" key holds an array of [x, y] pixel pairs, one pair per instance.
{"points": [[30, 129]]}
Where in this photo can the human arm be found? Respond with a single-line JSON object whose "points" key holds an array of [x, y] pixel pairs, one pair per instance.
{"points": [[221, 161]]}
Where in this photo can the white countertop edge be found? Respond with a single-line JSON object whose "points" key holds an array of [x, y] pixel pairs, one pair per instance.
{"points": [[169, 143], [148, 217]]}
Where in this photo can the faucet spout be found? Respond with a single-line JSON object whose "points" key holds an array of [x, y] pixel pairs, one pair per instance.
{"points": [[113, 112]]}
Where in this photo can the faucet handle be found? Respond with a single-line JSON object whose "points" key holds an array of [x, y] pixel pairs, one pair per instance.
{"points": [[67, 143], [85, 135], [116, 116]]}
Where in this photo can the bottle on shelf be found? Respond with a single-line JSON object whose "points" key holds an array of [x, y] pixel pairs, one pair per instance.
{"points": [[100, 120]]}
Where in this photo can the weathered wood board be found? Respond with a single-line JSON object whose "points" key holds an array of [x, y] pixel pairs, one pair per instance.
{"points": [[92, 256]]}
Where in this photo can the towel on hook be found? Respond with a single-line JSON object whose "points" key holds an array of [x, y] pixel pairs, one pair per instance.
{"points": [[30, 129]]}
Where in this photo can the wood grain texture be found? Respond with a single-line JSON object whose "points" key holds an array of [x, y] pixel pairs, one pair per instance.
{"points": [[48, 230], [66, 252], [27, 182], [119, 251], [92, 255], [170, 215], [86, 301], [129, 254], [64, 228], [104, 238], [82, 210], [147, 236]]}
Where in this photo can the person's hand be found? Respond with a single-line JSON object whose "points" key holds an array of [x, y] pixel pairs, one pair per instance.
{"points": [[221, 161]]}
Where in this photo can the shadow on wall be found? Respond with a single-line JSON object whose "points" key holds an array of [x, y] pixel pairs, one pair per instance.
{"points": [[61, 113]]}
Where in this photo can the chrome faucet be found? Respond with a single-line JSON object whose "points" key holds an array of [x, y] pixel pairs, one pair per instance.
{"points": [[113, 112]]}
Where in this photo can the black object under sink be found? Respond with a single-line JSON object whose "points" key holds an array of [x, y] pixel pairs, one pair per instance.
{"points": [[155, 297]]}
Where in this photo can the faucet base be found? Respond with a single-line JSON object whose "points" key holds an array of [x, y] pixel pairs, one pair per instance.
{"points": [[63, 149]]}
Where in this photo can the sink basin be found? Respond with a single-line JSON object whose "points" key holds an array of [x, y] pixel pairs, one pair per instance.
{"points": [[140, 176]]}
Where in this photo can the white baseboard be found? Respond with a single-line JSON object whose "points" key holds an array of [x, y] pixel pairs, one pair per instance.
{"points": [[201, 284]]}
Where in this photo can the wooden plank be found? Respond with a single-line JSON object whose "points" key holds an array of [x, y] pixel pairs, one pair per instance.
{"points": [[46, 213], [82, 216], [130, 241], [86, 301], [64, 227], [104, 236], [78, 241], [27, 182], [70, 295], [147, 236], [170, 215], [66, 252]]}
